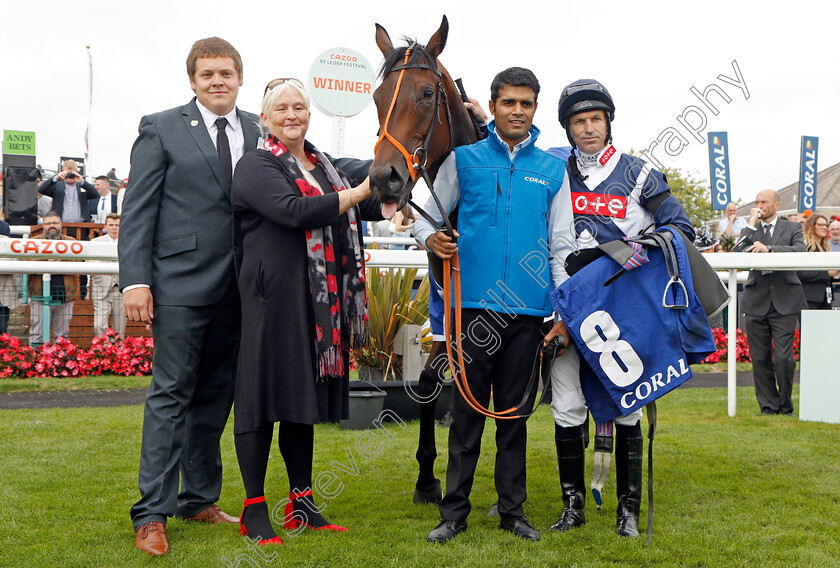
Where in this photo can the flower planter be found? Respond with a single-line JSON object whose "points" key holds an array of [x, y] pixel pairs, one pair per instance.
{"points": [[401, 396], [372, 374], [365, 407]]}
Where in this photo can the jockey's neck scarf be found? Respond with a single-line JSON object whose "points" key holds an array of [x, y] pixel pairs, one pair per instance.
{"points": [[341, 323]]}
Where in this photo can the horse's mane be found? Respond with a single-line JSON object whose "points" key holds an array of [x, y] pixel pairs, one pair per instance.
{"points": [[397, 56]]}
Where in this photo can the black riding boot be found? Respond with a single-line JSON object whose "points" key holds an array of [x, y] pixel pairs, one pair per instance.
{"points": [[569, 443], [628, 473]]}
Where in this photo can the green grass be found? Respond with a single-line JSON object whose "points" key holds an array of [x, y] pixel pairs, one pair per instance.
{"points": [[744, 491], [102, 382]]}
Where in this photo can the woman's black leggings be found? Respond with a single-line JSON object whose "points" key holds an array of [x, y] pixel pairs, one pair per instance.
{"points": [[296, 443]]}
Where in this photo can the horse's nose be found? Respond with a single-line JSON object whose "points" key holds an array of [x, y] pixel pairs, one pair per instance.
{"points": [[387, 180]]}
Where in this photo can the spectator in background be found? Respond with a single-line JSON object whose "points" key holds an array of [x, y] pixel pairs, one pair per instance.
{"points": [[62, 292], [817, 283], [834, 246], [70, 193], [113, 180], [381, 229], [44, 206], [794, 218], [402, 224], [834, 232], [771, 302], [731, 225], [9, 293], [106, 203], [105, 288]]}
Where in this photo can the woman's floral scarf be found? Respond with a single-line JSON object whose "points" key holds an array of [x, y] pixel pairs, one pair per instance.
{"points": [[340, 323]]}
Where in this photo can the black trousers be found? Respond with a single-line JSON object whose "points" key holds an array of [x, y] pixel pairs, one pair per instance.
{"points": [[498, 355], [187, 407], [770, 338]]}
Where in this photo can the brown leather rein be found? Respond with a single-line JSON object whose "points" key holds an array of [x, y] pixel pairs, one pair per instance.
{"points": [[451, 268]]}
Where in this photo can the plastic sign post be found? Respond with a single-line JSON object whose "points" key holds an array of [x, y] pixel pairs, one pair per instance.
{"points": [[341, 83]]}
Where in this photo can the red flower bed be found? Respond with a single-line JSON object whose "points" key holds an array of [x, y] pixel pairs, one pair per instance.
{"points": [[108, 353], [742, 347]]}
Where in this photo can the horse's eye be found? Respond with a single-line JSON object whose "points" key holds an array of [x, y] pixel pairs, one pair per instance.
{"points": [[428, 93]]}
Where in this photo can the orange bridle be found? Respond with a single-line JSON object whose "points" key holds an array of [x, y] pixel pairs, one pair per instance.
{"points": [[416, 161], [385, 135]]}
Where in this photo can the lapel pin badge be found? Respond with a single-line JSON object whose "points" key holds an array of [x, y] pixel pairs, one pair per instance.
{"points": [[194, 123]]}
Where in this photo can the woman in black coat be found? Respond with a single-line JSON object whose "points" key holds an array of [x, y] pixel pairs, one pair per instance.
{"points": [[816, 283], [302, 286]]}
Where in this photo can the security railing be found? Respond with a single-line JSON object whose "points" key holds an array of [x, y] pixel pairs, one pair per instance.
{"points": [[40, 256]]}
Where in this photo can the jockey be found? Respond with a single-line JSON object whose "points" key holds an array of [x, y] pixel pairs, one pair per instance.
{"points": [[613, 195]]}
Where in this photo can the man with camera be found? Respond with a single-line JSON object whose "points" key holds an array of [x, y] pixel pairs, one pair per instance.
{"points": [[70, 193], [771, 302]]}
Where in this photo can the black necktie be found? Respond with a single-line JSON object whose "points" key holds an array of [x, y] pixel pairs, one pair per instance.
{"points": [[223, 146], [767, 234]]}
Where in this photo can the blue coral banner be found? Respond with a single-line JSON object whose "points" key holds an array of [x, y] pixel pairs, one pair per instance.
{"points": [[719, 173], [808, 174]]}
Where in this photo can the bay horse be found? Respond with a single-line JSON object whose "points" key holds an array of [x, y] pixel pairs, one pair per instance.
{"points": [[421, 119]]}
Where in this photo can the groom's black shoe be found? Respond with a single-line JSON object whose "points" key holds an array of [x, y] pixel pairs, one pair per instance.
{"points": [[446, 530], [520, 527]]}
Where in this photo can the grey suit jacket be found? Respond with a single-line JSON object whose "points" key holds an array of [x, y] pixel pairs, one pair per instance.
{"points": [[177, 229], [781, 289]]}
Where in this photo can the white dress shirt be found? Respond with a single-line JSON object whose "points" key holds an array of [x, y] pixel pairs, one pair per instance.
{"points": [[236, 137]]}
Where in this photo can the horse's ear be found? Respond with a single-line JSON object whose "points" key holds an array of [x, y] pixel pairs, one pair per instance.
{"points": [[438, 41], [383, 40]]}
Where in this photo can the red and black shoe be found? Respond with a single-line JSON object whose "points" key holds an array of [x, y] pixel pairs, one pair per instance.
{"points": [[301, 510], [260, 522]]}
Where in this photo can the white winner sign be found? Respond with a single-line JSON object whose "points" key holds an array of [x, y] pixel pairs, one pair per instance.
{"points": [[341, 82]]}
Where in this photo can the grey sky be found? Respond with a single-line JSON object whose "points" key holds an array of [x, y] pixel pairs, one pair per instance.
{"points": [[648, 54]]}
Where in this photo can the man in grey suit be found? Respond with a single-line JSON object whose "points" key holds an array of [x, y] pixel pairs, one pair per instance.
{"points": [[771, 302], [176, 250]]}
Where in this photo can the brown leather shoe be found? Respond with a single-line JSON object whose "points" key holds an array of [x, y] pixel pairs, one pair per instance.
{"points": [[213, 514], [151, 538]]}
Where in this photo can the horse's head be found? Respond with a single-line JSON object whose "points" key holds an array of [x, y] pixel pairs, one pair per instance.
{"points": [[414, 123]]}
